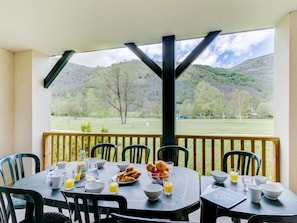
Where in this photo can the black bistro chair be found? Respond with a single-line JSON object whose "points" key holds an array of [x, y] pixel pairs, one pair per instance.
{"points": [[178, 150], [136, 153], [106, 151], [242, 161], [34, 208], [88, 203], [12, 169], [272, 219]]}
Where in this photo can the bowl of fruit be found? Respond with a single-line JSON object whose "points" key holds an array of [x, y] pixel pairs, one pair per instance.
{"points": [[158, 171]]}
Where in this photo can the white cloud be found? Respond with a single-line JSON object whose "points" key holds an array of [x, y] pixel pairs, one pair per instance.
{"points": [[103, 58], [225, 51]]}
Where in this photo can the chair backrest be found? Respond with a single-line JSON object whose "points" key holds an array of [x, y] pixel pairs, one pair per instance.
{"points": [[34, 203], [12, 167], [136, 153], [106, 151], [242, 161], [174, 153], [88, 203], [130, 219], [272, 219]]}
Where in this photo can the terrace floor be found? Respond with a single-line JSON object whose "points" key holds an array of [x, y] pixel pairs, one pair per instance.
{"points": [[194, 217]]}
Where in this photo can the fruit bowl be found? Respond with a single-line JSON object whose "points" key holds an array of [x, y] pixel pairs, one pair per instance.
{"points": [[158, 171]]}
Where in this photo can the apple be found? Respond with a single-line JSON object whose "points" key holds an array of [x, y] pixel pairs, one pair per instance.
{"points": [[156, 174], [161, 165], [164, 174], [150, 167]]}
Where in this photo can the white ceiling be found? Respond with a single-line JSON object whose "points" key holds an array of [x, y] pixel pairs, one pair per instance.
{"points": [[54, 26]]}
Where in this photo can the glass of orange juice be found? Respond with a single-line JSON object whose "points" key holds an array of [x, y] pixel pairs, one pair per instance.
{"points": [[77, 174], [113, 186], [234, 175], [168, 185], [69, 182]]}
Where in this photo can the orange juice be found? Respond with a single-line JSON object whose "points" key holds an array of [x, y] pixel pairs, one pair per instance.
{"points": [[77, 176], [69, 183], [82, 167], [113, 187], [234, 176], [168, 187]]}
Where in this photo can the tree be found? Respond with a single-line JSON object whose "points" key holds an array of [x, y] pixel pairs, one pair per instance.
{"points": [[209, 100], [265, 110], [240, 103], [117, 90]]}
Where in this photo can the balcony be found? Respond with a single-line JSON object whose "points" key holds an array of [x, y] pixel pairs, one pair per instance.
{"points": [[206, 151]]}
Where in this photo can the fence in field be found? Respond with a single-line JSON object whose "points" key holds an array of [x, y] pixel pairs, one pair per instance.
{"points": [[206, 151]]}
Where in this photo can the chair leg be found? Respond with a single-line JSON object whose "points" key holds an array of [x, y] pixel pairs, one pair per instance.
{"points": [[236, 220]]}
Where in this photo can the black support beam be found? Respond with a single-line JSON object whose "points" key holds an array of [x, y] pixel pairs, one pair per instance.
{"points": [[196, 52], [169, 73], [148, 61], [168, 93], [58, 67]]}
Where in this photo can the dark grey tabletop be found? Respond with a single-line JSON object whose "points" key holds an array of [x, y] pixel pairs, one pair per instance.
{"points": [[184, 200], [286, 204]]}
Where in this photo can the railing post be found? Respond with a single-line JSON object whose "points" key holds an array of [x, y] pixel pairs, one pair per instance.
{"points": [[46, 150]]}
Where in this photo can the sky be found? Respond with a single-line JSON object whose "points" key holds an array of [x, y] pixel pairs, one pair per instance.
{"points": [[226, 51]]}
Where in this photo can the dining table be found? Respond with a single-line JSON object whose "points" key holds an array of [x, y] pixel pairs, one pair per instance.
{"points": [[286, 204], [184, 200]]}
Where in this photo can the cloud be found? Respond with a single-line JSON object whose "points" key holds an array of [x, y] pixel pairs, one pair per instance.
{"points": [[225, 51], [103, 58]]}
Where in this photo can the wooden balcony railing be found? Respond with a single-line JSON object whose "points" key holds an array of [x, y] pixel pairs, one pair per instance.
{"points": [[206, 151]]}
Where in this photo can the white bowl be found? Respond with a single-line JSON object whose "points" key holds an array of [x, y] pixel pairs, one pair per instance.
{"points": [[62, 164], [123, 165], [153, 191], [271, 190], [94, 186], [219, 176], [100, 163]]}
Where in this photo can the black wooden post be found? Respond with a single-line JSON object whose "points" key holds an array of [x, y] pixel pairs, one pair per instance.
{"points": [[168, 91], [168, 105]]}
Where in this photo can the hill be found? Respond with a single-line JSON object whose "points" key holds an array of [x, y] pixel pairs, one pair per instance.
{"points": [[254, 76]]}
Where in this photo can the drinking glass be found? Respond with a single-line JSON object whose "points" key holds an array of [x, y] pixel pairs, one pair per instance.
{"points": [[92, 170], [234, 175], [113, 186], [170, 165], [77, 174], [69, 182], [168, 185], [246, 180]]}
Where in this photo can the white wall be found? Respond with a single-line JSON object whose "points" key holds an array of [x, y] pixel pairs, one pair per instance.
{"points": [[285, 97], [32, 105], [6, 102], [23, 102]]}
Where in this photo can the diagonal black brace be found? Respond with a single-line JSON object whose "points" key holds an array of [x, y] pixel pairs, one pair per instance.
{"points": [[58, 67], [148, 61], [196, 52]]}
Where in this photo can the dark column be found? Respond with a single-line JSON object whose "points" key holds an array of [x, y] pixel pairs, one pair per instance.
{"points": [[168, 83]]}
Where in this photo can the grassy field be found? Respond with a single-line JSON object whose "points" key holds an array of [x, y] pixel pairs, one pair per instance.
{"points": [[183, 126]]}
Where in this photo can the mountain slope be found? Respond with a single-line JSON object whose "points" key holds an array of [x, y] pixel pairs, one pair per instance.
{"points": [[254, 76]]}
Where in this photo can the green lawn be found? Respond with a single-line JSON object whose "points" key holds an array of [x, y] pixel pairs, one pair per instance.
{"points": [[183, 126]]}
